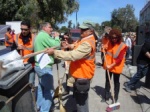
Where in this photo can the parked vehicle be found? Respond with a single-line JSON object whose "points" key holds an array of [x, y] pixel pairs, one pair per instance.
{"points": [[75, 34]]}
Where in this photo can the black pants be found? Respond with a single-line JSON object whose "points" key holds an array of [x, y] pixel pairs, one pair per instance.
{"points": [[81, 89], [116, 84]]}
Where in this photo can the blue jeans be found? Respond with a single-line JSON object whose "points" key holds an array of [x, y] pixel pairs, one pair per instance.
{"points": [[141, 72], [45, 88]]}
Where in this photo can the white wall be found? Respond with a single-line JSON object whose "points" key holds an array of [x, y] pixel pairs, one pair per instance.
{"points": [[14, 25]]}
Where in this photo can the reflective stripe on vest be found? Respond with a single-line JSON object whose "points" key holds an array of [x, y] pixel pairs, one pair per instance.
{"points": [[117, 52], [26, 48]]}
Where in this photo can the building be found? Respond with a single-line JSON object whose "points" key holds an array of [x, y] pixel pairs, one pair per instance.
{"points": [[144, 23]]}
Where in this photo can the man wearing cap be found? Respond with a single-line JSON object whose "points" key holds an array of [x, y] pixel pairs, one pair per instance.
{"points": [[82, 65]]}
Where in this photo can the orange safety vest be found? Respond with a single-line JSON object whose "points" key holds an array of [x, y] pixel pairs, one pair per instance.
{"points": [[105, 42], [112, 53], [85, 67], [9, 39], [29, 45]]}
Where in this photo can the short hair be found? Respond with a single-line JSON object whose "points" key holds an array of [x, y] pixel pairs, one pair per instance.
{"points": [[8, 29], [44, 24], [26, 23], [67, 33]]}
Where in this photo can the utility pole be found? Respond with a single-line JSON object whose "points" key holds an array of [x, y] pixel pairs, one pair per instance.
{"points": [[76, 18]]}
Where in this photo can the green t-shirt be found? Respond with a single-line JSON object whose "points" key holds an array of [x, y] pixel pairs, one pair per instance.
{"points": [[42, 41]]}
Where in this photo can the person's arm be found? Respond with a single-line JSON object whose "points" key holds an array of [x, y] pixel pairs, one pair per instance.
{"points": [[82, 51], [145, 49], [50, 42]]}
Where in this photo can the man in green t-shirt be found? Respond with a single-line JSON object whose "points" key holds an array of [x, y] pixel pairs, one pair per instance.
{"points": [[45, 88]]}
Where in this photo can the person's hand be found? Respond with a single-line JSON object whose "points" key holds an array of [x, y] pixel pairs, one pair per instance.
{"points": [[56, 34], [63, 43], [49, 51], [68, 46], [21, 47], [108, 67]]}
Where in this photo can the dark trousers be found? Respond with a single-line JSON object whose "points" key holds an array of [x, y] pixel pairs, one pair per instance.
{"points": [[142, 71], [116, 78], [81, 96]]}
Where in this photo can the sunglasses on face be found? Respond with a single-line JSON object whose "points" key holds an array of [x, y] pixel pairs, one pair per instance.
{"points": [[24, 29], [113, 38]]}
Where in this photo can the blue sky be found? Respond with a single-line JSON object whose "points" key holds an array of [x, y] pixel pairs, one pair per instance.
{"points": [[100, 10]]}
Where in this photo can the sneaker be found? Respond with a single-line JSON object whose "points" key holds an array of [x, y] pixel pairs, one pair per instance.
{"points": [[127, 87]]}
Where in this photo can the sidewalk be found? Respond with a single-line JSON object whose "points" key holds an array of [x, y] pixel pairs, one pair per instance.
{"points": [[130, 102]]}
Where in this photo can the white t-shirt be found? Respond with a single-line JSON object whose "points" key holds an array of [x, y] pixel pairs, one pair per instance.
{"points": [[128, 42]]}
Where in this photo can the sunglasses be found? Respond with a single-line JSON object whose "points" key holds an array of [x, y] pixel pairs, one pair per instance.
{"points": [[24, 29], [114, 38]]}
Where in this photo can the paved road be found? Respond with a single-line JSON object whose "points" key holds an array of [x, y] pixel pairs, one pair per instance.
{"points": [[129, 101]]}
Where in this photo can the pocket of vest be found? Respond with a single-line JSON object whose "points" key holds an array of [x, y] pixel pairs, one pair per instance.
{"points": [[82, 85]]}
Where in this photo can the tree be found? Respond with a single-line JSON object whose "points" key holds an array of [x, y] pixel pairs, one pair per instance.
{"points": [[53, 11], [63, 29], [124, 18], [8, 9], [106, 23], [70, 24]]}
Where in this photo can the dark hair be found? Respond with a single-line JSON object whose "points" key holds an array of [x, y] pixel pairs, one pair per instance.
{"points": [[117, 33], [8, 29], [67, 33], [26, 22]]}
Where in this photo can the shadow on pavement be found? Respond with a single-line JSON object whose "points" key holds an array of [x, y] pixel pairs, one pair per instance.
{"points": [[135, 99], [70, 104], [100, 91]]}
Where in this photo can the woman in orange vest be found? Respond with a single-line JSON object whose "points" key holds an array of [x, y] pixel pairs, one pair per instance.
{"points": [[82, 66], [114, 59]]}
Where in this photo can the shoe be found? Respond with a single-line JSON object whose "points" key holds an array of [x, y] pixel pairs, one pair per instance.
{"points": [[106, 98], [65, 93], [127, 87], [98, 64]]}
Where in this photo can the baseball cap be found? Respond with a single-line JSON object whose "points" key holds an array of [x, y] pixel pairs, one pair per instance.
{"points": [[87, 24]]}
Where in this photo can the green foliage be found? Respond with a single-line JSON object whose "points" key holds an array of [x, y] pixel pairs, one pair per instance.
{"points": [[63, 29], [124, 18], [53, 11], [106, 23]]}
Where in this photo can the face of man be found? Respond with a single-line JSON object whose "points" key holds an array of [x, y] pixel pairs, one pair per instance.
{"points": [[66, 37], [25, 30], [48, 29], [86, 32]]}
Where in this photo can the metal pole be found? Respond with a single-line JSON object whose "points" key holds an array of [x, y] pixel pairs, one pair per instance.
{"points": [[76, 19]]}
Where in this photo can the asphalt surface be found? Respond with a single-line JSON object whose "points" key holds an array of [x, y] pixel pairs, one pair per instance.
{"points": [[136, 101]]}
